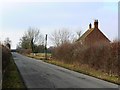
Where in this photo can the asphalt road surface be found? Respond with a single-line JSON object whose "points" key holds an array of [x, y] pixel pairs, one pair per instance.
{"points": [[38, 74]]}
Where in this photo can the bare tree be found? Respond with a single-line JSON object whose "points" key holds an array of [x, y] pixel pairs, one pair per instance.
{"points": [[55, 38], [34, 33], [61, 36], [31, 37], [7, 42]]}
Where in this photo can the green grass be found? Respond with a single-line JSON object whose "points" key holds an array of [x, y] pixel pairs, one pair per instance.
{"points": [[12, 78], [80, 68]]}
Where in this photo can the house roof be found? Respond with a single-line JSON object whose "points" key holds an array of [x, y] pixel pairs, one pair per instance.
{"points": [[85, 34], [88, 32]]}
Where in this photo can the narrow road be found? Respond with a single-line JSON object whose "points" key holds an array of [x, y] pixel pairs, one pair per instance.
{"points": [[38, 74]]}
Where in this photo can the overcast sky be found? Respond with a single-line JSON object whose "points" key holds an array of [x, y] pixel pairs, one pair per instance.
{"points": [[17, 17]]}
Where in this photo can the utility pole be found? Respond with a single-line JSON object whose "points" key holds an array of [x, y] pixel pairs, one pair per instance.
{"points": [[32, 45], [46, 47]]}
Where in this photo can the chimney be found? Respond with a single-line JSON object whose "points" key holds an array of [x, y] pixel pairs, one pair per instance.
{"points": [[96, 24], [90, 26]]}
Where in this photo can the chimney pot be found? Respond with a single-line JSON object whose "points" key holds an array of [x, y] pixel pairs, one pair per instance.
{"points": [[90, 26], [96, 24]]}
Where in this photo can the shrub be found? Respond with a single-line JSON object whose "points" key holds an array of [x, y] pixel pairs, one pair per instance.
{"points": [[6, 55], [103, 57]]}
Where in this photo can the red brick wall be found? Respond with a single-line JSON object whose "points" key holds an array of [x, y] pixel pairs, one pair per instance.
{"points": [[96, 37]]}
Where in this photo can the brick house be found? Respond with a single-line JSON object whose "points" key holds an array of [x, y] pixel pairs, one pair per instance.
{"points": [[93, 36]]}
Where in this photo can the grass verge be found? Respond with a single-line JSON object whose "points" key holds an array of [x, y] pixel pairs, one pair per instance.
{"points": [[81, 69], [87, 70], [12, 78]]}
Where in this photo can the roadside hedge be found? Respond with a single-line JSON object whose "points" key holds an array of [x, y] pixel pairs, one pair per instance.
{"points": [[103, 57], [6, 56]]}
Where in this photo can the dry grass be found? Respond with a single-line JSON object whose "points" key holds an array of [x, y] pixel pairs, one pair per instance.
{"points": [[83, 68], [40, 56]]}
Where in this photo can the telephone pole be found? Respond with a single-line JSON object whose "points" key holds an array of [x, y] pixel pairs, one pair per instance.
{"points": [[46, 47]]}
